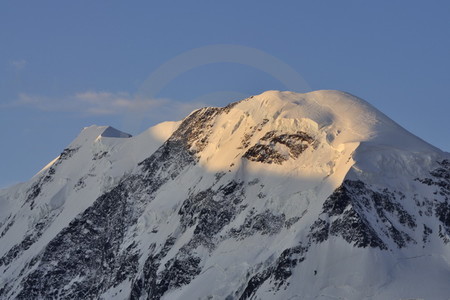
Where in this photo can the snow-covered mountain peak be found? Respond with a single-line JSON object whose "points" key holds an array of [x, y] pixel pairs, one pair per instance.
{"points": [[94, 132], [278, 196], [311, 135], [344, 117]]}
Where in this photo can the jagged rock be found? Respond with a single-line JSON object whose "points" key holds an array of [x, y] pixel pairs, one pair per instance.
{"points": [[265, 150]]}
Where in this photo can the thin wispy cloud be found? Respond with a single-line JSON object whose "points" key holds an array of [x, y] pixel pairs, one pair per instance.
{"points": [[101, 103], [18, 64]]}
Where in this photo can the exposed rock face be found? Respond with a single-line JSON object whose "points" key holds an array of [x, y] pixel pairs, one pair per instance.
{"points": [[265, 150], [359, 214], [267, 198], [440, 180], [36, 188]]}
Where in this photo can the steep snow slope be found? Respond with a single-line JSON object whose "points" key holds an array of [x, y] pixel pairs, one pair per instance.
{"points": [[278, 196], [33, 213]]}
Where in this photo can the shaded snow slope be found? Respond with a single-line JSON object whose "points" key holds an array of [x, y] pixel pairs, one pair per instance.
{"points": [[32, 213], [114, 133], [278, 196]]}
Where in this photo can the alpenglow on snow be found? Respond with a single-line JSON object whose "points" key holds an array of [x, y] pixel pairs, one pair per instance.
{"points": [[278, 196]]}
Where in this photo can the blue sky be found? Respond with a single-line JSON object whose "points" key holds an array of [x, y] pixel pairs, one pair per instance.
{"points": [[65, 65]]}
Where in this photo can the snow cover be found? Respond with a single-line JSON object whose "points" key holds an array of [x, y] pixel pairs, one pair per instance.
{"points": [[67, 195], [343, 138]]}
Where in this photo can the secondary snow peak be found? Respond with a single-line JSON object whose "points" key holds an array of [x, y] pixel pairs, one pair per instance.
{"points": [[114, 133]]}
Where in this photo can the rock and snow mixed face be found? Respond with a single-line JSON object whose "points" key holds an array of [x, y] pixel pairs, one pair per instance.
{"points": [[278, 196]]}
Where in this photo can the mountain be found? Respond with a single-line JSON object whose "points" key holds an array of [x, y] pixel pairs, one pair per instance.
{"points": [[278, 196]]}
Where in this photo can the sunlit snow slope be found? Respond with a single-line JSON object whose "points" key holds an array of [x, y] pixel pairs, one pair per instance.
{"points": [[278, 196]]}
